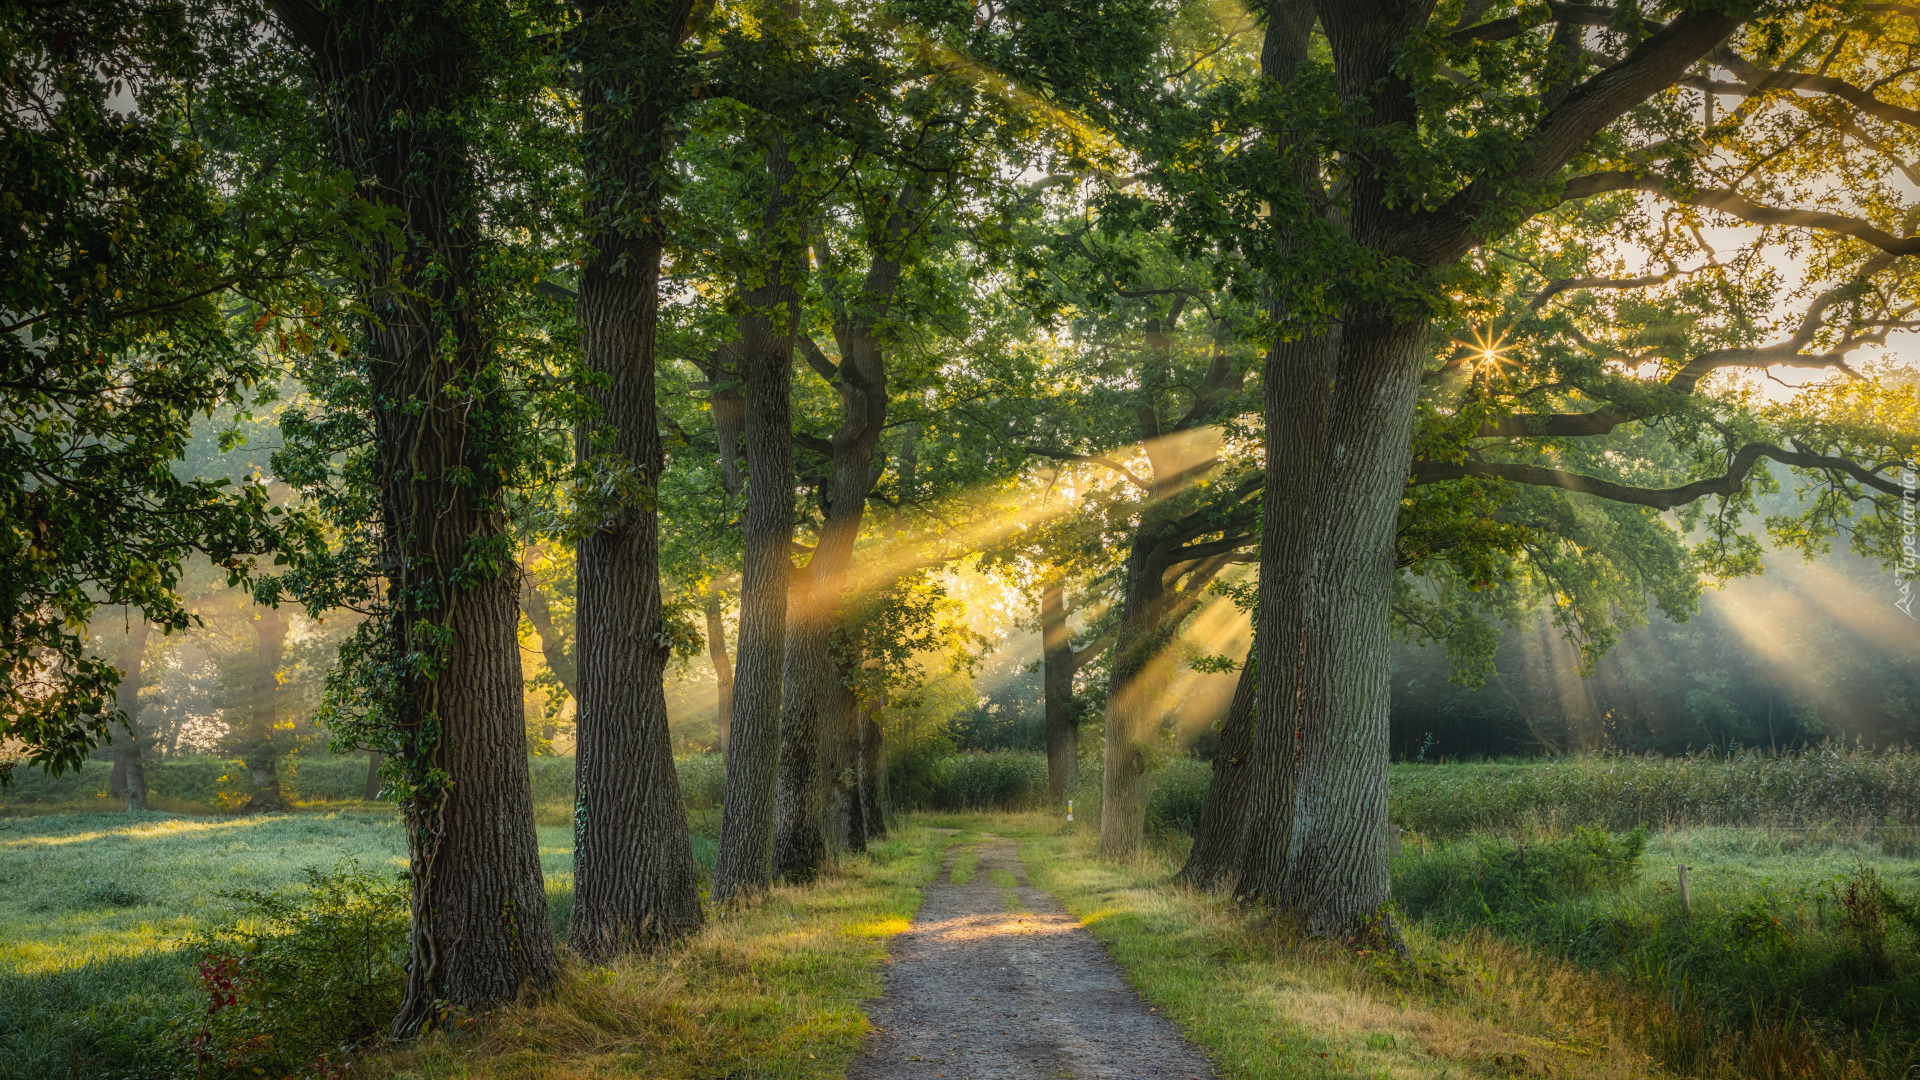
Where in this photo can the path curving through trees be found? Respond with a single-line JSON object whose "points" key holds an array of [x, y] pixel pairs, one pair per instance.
{"points": [[994, 981]]}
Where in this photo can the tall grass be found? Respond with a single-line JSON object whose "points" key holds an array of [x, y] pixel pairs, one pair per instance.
{"points": [[1789, 959], [1824, 784]]}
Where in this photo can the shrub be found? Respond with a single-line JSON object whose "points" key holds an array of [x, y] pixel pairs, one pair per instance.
{"points": [[1179, 790], [988, 780], [1823, 784], [1498, 880], [297, 983], [703, 780]]}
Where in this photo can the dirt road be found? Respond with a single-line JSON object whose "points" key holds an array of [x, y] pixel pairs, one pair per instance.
{"points": [[994, 981]]}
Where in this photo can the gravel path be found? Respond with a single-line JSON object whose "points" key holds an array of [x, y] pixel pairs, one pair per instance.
{"points": [[996, 982]]}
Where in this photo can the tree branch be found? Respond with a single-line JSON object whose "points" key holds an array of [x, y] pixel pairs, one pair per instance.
{"points": [[1737, 205], [1725, 485], [1090, 459]]}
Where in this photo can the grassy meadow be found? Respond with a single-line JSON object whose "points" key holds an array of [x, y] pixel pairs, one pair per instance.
{"points": [[1541, 945]]}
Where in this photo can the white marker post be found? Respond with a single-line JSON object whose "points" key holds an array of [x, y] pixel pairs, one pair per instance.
{"points": [[1069, 809]]}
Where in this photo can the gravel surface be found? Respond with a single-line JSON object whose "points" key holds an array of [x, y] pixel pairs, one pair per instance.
{"points": [[995, 981]]}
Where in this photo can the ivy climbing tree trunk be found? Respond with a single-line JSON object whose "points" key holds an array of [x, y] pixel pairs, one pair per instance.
{"points": [[634, 879], [442, 425]]}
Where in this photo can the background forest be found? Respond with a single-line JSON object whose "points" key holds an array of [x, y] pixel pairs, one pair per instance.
{"points": [[611, 464]]}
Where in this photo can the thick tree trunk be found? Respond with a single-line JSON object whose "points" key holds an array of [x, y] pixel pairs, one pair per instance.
{"points": [[799, 846], [1336, 876], [769, 316], [1214, 861], [127, 759], [722, 669], [371, 790], [1062, 718], [633, 874], [815, 714], [1297, 377], [262, 750], [480, 932]]}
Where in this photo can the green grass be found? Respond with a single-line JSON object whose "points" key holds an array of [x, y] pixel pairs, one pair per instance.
{"points": [[1785, 931], [1264, 1005], [773, 988], [1876, 793], [93, 980]]}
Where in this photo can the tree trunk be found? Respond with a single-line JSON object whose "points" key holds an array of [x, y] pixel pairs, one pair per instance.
{"points": [[1062, 719], [1214, 861], [634, 880], [813, 697], [769, 316], [722, 669], [371, 789], [1297, 404], [443, 431], [873, 770], [842, 763], [799, 845], [554, 643], [262, 751], [127, 758], [1130, 704], [1337, 878]]}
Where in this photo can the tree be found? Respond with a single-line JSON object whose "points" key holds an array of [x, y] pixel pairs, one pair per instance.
{"points": [[262, 750], [768, 318], [634, 878], [1372, 193], [129, 762], [433, 679], [125, 251]]}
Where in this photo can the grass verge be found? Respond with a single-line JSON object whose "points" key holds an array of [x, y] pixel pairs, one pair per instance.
{"points": [[1263, 1003], [770, 989]]}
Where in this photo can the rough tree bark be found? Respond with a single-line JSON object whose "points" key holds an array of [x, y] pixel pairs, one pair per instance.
{"points": [[262, 751], [634, 879], [480, 931], [1336, 874], [816, 716], [767, 322], [1339, 414], [1214, 861], [128, 763]]}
